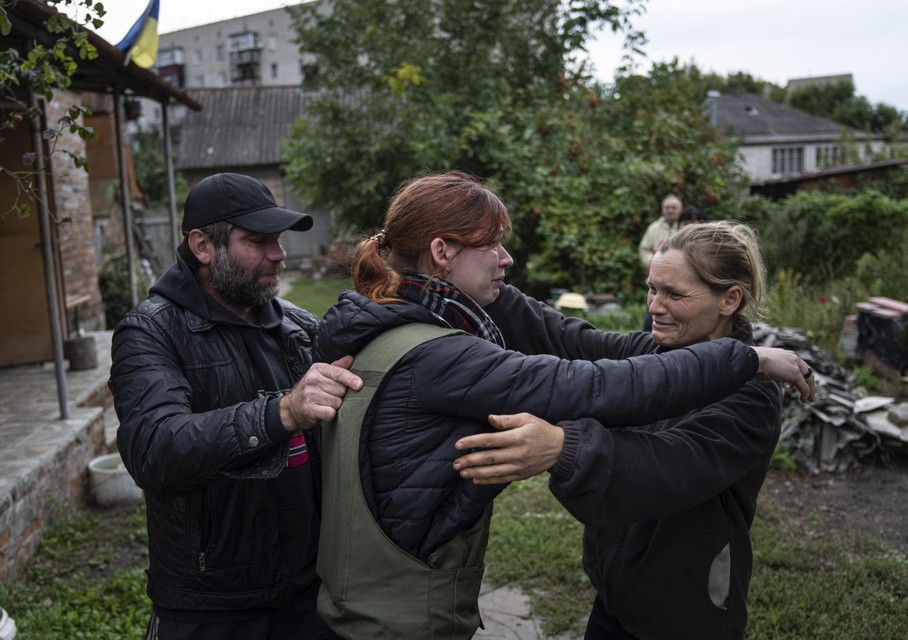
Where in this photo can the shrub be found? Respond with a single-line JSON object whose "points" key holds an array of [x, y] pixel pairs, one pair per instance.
{"points": [[113, 281], [824, 236]]}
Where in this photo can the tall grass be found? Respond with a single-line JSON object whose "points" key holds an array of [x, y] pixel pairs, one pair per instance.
{"points": [[819, 307]]}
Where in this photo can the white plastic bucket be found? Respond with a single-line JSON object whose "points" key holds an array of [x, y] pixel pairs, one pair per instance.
{"points": [[7, 626], [111, 484]]}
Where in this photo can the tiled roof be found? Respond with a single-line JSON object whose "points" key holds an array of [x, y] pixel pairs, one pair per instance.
{"points": [[754, 118], [239, 126]]}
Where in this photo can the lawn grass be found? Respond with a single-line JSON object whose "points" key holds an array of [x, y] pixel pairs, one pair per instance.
{"points": [[86, 581], [319, 295], [809, 585]]}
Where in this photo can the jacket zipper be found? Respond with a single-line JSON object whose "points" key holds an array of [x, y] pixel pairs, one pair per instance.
{"points": [[204, 529]]}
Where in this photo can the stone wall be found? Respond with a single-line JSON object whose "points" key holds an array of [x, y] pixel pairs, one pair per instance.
{"points": [[44, 460], [50, 489]]}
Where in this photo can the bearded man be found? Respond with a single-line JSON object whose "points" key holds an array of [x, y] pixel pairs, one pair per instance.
{"points": [[217, 396]]}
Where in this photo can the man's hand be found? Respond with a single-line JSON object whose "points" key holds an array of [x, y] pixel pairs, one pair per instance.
{"points": [[526, 446], [318, 395], [787, 367]]}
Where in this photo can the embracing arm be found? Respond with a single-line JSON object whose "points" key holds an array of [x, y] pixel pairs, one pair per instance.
{"points": [[631, 475], [533, 327], [166, 446], [613, 477], [464, 375]]}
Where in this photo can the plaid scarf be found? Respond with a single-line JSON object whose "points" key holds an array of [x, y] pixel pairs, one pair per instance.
{"points": [[451, 306]]}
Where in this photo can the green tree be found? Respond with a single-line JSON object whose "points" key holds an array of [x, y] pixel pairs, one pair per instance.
{"points": [[151, 169], [43, 71], [501, 89], [838, 101]]}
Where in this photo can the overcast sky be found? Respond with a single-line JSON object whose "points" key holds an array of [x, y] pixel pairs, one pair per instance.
{"points": [[771, 39]]}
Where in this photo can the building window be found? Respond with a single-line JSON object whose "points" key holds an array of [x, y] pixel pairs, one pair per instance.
{"points": [[168, 57], [197, 56], [272, 43], [200, 81], [222, 78], [788, 160], [175, 78], [242, 41], [274, 70], [309, 70], [221, 53], [829, 156]]}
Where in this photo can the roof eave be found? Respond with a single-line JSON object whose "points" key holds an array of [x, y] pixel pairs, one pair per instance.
{"points": [[106, 73]]}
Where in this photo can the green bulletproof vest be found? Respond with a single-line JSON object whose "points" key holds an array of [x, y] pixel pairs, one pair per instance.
{"points": [[371, 588]]}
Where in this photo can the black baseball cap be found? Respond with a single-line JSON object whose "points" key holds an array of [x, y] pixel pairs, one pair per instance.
{"points": [[242, 201]]}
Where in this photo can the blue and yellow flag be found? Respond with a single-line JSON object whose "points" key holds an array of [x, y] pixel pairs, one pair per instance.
{"points": [[141, 43]]}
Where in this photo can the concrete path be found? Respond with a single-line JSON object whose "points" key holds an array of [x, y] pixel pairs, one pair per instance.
{"points": [[507, 615]]}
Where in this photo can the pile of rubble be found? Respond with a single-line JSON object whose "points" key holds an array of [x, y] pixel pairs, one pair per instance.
{"points": [[845, 427]]}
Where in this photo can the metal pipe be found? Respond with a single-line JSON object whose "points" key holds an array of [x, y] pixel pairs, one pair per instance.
{"points": [[47, 253], [171, 187], [126, 200]]}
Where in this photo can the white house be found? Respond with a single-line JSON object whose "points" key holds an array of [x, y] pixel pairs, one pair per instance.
{"points": [[777, 141]]}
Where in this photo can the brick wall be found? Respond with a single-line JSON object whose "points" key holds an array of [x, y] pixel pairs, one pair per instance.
{"points": [[71, 202], [52, 487]]}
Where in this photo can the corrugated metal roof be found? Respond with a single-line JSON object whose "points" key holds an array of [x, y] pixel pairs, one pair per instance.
{"points": [[239, 126]]}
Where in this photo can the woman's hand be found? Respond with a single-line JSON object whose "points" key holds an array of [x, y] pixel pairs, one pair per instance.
{"points": [[525, 447], [788, 368]]}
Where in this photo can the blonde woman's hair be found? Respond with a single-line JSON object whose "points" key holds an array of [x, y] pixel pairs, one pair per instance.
{"points": [[724, 254]]}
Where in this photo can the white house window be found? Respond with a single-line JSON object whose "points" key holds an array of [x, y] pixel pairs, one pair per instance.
{"points": [[272, 43], [788, 160], [197, 56], [200, 81], [221, 54], [222, 78], [274, 70], [829, 156]]}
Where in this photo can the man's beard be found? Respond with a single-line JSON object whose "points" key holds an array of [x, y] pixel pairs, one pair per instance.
{"points": [[237, 287]]}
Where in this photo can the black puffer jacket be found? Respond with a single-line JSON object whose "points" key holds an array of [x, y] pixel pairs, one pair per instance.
{"points": [[667, 506], [205, 443], [446, 389]]}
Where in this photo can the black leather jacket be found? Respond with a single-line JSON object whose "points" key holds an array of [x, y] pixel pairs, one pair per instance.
{"points": [[204, 441]]}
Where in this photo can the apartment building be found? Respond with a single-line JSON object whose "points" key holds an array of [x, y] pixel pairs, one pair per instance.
{"points": [[252, 50]]}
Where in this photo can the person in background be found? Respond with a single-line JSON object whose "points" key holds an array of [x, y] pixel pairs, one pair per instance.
{"points": [[438, 261], [660, 229], [217, 394], [655, 235], [690, 215], [667, 508]]}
